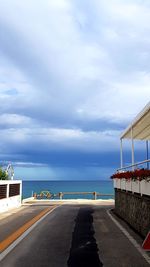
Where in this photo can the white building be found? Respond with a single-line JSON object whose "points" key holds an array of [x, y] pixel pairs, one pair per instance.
{"points": [[10, 194]]}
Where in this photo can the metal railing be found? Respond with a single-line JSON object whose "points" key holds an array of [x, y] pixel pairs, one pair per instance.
{"points": [[60, 195], [135, 164]]}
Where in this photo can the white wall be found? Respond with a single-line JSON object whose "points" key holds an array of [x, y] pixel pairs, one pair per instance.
{"points": [[141, 187], [10, 202]]}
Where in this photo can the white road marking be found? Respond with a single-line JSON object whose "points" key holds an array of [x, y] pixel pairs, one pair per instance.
{"points": [[132, 240], [18, 240]]}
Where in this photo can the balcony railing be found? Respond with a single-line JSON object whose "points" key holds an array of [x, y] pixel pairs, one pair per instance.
{"points": [[135, 165]]}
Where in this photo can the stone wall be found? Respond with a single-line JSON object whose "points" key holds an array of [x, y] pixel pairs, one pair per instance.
{"points": [[134, 209]]}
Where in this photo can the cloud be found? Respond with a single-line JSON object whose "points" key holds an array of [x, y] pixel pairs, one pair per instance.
{"points": [[66, 173], [73, 74], [9, 120], [23, 164], [40, 140], [108, 105]]}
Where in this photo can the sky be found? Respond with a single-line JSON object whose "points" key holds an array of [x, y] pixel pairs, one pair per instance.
{"points": [[73, 75]]}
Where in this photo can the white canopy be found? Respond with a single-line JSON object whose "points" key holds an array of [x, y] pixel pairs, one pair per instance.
{"points": [[140, 127]]}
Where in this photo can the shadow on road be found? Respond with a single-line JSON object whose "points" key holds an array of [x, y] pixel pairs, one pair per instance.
{"points": [[84, 251]]}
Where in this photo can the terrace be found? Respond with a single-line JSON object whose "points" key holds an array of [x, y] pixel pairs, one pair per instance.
{"points": [[135, 177], [132, 182]]}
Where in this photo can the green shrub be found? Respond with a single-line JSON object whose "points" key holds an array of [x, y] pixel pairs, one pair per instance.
{"points": [[3, 175]]}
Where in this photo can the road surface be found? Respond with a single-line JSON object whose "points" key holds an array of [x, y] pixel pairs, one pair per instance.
{"points": [[69, 236]]}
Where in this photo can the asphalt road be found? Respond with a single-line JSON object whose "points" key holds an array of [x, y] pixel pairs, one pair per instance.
{"points": [[70, 236]]}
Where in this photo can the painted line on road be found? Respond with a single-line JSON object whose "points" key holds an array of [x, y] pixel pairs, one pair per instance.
{"points": [[132, 240], [15, 238]]}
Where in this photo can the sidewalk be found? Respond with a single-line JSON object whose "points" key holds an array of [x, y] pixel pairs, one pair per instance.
{"points": [[5, 214], [114, 246]]}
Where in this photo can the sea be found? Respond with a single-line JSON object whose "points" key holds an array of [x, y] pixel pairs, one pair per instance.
{"points": [[54, 187]]}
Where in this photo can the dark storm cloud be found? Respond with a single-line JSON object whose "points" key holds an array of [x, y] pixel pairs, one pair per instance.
{"points": [[73, 74]]}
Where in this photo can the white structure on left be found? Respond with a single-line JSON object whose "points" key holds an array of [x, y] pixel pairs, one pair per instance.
{"points": [[10, 194]]}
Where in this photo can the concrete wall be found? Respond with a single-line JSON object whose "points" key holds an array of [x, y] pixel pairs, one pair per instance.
{"points": [[135, 209], [10, 195]]}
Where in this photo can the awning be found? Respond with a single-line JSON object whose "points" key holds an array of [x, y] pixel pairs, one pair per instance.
{"points": [[140, 127]]}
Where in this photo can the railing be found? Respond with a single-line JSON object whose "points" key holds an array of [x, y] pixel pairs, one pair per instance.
{"points": [[60, 195], [135, 164]]}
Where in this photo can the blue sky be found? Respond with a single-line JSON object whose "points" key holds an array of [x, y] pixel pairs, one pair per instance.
{"points": [[73, 74]]}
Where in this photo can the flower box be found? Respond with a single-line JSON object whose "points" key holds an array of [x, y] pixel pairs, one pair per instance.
{"points": [[136, 186], [117, 183], [137, 181], [145, 187], [123, 184], [128, 185]]}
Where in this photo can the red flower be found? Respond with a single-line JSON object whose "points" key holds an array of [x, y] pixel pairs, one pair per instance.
{"points": [[134, 175]]}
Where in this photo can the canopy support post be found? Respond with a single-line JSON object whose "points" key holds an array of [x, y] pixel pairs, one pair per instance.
{"points": [[132, 148], [121, 154], [147, 153]]}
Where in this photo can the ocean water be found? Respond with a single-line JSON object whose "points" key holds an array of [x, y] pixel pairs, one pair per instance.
{"points": [[103, 187]]}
